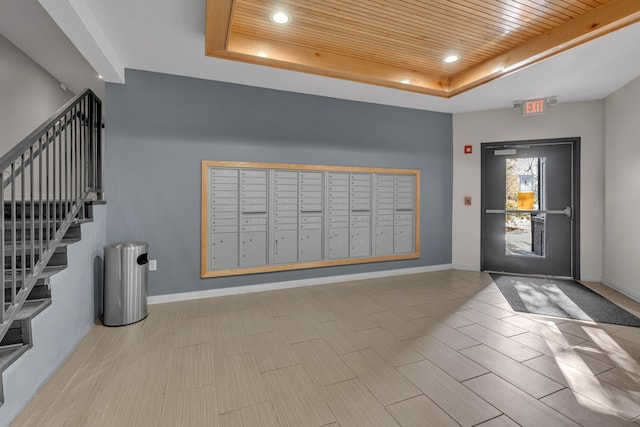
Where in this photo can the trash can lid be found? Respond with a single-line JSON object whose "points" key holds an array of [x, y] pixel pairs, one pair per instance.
{"points": [[127, 245]]}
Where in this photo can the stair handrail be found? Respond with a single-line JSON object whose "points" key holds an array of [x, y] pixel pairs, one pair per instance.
{"points": [[59, 127], [61, 161]]}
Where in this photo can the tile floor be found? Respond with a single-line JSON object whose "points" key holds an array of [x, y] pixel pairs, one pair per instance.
{"points": [[435, 349]]}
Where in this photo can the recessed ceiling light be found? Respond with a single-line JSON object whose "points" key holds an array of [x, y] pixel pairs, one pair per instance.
{"points": [[99, 76], [280, 17], [451, 58]]}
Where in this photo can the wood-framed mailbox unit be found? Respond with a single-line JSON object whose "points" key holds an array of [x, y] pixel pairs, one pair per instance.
{"points": [[264, 217]]}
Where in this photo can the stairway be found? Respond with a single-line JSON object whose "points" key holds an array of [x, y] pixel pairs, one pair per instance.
{"points": [[49, 182], [18, 339]]}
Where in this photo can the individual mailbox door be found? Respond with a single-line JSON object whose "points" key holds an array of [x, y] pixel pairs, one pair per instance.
{"points": [[339, 212], [281, 227], [361, 177], [217, 193], [403, 240], [384, 241], [231, 214], [288, 213], [253, 248], [339, 224], [338, 176], [253, 173], [224, 208], [225, 187], [285, 246], [292, 219], [360, 241], [225, 179], [307, 190], [384, 206], [286, 208], [286, 181], [224, 250], [224, 229], [217, 222], [339, 190], [338, 201], [286, 174], [288, 193], [262, 188], [223, 172], [311, 175], [224, 201], [310, 245], [339, 243]]}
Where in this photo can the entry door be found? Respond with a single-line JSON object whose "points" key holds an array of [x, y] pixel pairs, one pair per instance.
{"points": [[529, 218]]}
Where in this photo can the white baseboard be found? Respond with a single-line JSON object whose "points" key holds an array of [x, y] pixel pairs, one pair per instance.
{"points": [[236, 290], [466, 267], [633, 294], [590, 279]]}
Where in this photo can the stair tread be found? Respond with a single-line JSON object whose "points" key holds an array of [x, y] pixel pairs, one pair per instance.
{"points": [[40, 291], [31, 308], [9, 354], [48, 271], [8, 248], [8, 222]]}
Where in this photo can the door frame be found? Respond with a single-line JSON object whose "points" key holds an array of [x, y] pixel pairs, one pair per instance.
{"points": [[575, 203]]}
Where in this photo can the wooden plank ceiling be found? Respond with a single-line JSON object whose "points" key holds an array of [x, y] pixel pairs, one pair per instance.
{"points": [[402, 43]]}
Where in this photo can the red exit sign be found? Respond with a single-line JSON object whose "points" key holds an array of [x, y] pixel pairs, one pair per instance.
{"points": [[534, 107]]}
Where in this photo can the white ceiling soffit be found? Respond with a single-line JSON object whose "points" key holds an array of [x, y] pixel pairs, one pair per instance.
{"points": [[167, 36], [77, 21], [28, 26]]}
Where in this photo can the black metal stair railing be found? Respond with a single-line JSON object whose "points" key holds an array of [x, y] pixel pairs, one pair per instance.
{"points": [[51, 174]]}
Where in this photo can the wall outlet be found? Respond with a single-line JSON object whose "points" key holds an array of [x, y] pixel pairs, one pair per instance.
{"points": [[153, 265]]}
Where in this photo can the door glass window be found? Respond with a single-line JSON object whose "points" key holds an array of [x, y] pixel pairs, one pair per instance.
{"points": [[524, 232]]}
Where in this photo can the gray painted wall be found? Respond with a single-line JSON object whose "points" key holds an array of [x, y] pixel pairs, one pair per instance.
{"points": [[159, 128], [59, 329], [28, 95]]}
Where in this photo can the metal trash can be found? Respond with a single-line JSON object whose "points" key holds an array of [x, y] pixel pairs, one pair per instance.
{"points": [[126, 266]]}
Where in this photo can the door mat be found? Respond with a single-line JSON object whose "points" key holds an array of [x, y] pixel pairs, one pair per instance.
{"points": [[561, 298]]}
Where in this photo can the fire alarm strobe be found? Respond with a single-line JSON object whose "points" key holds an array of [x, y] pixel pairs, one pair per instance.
{"points": [[468, 149]]}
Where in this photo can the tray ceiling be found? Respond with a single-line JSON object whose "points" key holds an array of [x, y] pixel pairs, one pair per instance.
{"points": [[402, 43]]}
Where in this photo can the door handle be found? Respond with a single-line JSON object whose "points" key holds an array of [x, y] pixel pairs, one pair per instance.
{"points": [[566, 211]]}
